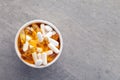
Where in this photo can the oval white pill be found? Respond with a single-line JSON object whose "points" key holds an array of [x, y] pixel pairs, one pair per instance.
{"points": [[42, 26], [49, 52], [39, 35], [44, 58], [54, 42], [25, 46], [34, 56], [48, 28], [52, 47], [38, 62], [28, 38]]}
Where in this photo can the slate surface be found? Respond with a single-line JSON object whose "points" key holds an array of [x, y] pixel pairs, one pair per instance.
{"points": [[91, 34]]}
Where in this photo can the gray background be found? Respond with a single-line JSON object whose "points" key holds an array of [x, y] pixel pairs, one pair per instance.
{"points": [[91, 34]]}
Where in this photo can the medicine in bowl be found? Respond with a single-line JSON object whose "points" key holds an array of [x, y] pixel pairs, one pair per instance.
{"points": [[38, 44]]}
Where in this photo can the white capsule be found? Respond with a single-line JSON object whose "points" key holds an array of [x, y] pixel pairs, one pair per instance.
{"points": [[39, 56], [43, 29], [39, 49], [34, 56], [39, 35], [38, 62], [48, 28], [44, 58], [49, 52], [28, 38], [52, 47], [25, 46], [54, 42], [49, 34]]}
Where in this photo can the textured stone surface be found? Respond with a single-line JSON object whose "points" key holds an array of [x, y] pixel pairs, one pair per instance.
{"points": [[91, 33]]}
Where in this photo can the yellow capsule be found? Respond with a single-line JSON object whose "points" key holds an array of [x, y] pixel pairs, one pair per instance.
{"points": [[33, 42], [22, 37], [33, 50]]}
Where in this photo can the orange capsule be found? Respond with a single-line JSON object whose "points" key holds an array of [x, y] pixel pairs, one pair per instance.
{"points": [[51, 57], [28, 31], [55, 37], [35, 27], [34, 35]]}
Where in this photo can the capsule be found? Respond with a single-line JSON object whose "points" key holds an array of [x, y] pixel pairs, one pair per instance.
{"points": [[54, 42], [49, 52], [42, 29], [39, 35], [25, 46], [52, 47], [34, 56], [39, 56], [22, 37], [48, 28], [35, 27], [33, 42], [49, 34], [38, 62], [44, 58]]}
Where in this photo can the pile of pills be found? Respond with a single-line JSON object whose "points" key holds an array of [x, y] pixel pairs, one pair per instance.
{"points": [[38, 44]]}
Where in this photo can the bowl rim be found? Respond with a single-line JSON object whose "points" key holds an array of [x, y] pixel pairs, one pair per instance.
{"points": [[38, 21]]}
